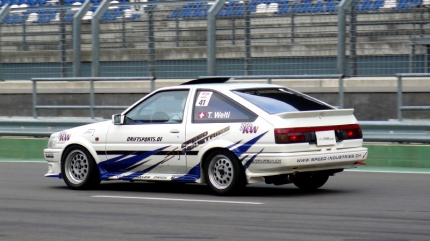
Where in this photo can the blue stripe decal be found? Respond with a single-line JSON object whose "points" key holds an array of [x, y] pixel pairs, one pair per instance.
{"points": [[55, 175], [129, 163], [230, 146], [249, 162], [244, 147], [192, 175]]}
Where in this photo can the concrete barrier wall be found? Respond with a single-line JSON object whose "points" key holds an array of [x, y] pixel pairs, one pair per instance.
{"points": [[372, 98]]}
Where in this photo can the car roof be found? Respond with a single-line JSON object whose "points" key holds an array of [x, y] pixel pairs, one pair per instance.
{"points": [[226, 86]]}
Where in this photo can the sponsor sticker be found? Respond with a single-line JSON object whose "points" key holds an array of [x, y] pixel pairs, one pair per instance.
{"points": [[202, 139], [202, 115], [89, 132], [246, 128], [325, 138], [145, 139], [64, 136], [204, 98], [49, 155], [332, 158], [267, 161]]}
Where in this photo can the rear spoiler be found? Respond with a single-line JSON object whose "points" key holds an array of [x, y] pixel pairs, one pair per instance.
{"points": [[315, 113]]}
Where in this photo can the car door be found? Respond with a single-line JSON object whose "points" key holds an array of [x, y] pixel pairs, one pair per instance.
{"points": [[149, 140], [214, 116]]}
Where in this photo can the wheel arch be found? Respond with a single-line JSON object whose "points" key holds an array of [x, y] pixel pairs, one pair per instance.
{"points": [[71, 145], [207, 153]]}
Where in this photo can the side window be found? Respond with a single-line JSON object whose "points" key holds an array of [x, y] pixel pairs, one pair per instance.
{"points": [[162, 107], [212, 107]]}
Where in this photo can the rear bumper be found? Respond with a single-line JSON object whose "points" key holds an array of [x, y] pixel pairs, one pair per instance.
{"points": [[53, 157], [270, 164]]}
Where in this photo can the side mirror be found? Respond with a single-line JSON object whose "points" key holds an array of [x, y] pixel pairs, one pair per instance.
{"points": [[117, 119]]}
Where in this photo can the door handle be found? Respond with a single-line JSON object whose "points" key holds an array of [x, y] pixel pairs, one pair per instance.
{"points": [[174, 131]]}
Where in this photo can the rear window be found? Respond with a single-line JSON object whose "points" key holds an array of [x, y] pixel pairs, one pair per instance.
{"points": [[279, 100]]}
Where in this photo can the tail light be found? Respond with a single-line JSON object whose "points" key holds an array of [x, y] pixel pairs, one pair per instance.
{"points": [[307, 134]]}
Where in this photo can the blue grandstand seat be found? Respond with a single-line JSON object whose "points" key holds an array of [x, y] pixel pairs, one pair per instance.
{"points": [[253, 5], [330, 6], [41, 3], [318, 7], [203, 12], [31, 3], [227, 10], [175, 13], [284, 8], [307, 6], [188, 10], [377, 5], [298, 8], [68, 17], [403, 4], [239, 10], [135, 16], [6, 19], [198, 9], [365, 5], [416, 2]]}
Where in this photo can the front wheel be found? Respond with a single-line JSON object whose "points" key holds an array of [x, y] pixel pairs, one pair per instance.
{"points": [[310, 181], [223, 173], [79, 170]]}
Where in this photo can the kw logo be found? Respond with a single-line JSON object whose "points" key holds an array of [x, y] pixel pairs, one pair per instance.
{"points": [[246, 128], [64, 136]]}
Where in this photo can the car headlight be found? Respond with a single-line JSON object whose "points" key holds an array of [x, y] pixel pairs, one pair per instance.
{"points": [[52, 140]]}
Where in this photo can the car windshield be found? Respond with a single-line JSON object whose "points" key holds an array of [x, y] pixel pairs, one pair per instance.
{"points": [[279, 100]]}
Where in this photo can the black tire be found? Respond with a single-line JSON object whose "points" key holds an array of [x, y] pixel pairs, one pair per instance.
{"points": [[310, 181], [224, 174], [79, 170]]}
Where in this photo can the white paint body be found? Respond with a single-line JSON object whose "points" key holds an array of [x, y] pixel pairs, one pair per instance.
{"points": [[160, 155]]}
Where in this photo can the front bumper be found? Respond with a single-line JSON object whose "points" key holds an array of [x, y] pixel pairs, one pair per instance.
{"points": [[271, 164], [53, 157]]}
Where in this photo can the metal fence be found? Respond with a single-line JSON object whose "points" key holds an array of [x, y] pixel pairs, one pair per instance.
{"points": [[92, 105], [388, 35], [72, 38]]}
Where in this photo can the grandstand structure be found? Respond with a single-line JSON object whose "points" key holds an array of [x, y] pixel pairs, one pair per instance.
{"points": [[169, 39]]}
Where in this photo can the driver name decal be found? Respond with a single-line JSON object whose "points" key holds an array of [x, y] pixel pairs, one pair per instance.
{"points": [[145, 139]]}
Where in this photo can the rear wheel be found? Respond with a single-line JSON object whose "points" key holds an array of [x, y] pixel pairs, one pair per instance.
{"points": [[79, 170], [310, 181], [223, 173]]}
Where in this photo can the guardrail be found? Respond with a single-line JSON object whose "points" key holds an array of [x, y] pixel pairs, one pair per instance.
{"points": [[270, 77], [373, 131], [39, 127], [396, 131], [92, 106], [400, 106]]}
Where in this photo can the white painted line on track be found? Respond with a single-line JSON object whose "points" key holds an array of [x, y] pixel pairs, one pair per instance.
{"points": [[178, 199], [23, 161], [389, 171]]}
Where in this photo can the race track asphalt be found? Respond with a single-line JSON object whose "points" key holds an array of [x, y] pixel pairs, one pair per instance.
{"points": [[352, 206]]}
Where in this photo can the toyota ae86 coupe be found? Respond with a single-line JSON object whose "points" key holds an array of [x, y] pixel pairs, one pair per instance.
{"points": [[226, 135]]}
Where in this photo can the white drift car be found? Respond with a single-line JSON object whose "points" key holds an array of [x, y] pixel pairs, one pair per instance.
{"points": [[222, 134]]}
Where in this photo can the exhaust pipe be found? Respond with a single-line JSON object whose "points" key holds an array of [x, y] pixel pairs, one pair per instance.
{"points": [[280, 179]]}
